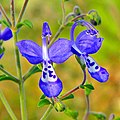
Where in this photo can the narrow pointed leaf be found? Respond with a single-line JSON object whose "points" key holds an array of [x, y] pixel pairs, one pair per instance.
{"points": [[28, 23], [19, 25], [5, 77], [99, 115], [5, 23], [43, 102], [71, 96], [90, 86], [42, 96]]}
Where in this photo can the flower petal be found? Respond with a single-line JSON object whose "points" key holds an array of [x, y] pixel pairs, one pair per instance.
{"points": [[49, 83], [97, 72], [1, 55], [51, 89], [87, 42], [60, 50], [6, 34], [31, 51]]}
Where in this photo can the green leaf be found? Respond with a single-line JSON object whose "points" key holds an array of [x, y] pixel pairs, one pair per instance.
{"points": [[82, 86], [25, 23], [5, 77], [99, 115], [71, 113], [87, 91], [43, 102], [19, 25], [90, 86], [42, 96], [71, 96], [2, 49], [5, 23], [28, 23]]}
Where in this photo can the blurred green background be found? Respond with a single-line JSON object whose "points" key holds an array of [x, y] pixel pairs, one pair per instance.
{"points": [[106, 96]]}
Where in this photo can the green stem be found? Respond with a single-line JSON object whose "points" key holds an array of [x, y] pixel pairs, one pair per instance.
{"points": [[88, 108], [21, 85], [7, 106], [63, 12], [44, 117], [7, 73], [5, 15], [22, 11]]}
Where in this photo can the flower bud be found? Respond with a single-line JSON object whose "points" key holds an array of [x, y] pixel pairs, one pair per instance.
{"points": [[59, 106], [95, 19], [77, 10]]}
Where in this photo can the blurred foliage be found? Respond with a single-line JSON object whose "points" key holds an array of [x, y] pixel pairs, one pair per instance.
{"points": [[106, 96]]}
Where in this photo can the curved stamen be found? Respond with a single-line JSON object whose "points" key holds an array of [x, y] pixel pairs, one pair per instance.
{"points": [[84, 23]]}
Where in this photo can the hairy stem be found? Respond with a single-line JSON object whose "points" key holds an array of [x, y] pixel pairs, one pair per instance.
{"points": [[22, 11], [12, 9], [84, 78], [7, 106], [5, 15], [63, 12], [70, 92], [46, 114], [21, 85], [88, 108]]}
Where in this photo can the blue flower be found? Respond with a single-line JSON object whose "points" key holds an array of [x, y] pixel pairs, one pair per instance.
{"points": [[49, 83], [87, 42], [5, 35]]}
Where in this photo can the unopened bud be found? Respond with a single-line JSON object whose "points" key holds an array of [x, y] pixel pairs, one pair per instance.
{"points": [[95, 19], [77, 10], [59, 106]]}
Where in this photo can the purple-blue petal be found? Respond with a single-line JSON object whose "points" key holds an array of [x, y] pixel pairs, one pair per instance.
{"points": [[1, 55], [60, 50], [6, 34], [51, 89], [102, 75], [88, 42], [31, 51]]}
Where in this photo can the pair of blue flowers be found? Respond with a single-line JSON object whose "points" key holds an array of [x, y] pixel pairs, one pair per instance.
{"points": [[87, 42]]}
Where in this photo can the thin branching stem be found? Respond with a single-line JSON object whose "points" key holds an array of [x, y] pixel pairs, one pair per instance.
{"points": [[46, 114], [22, 11], [88, 108], [7, 106], [5, 15], [12, 10], [21, 85], [84, 78]]}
